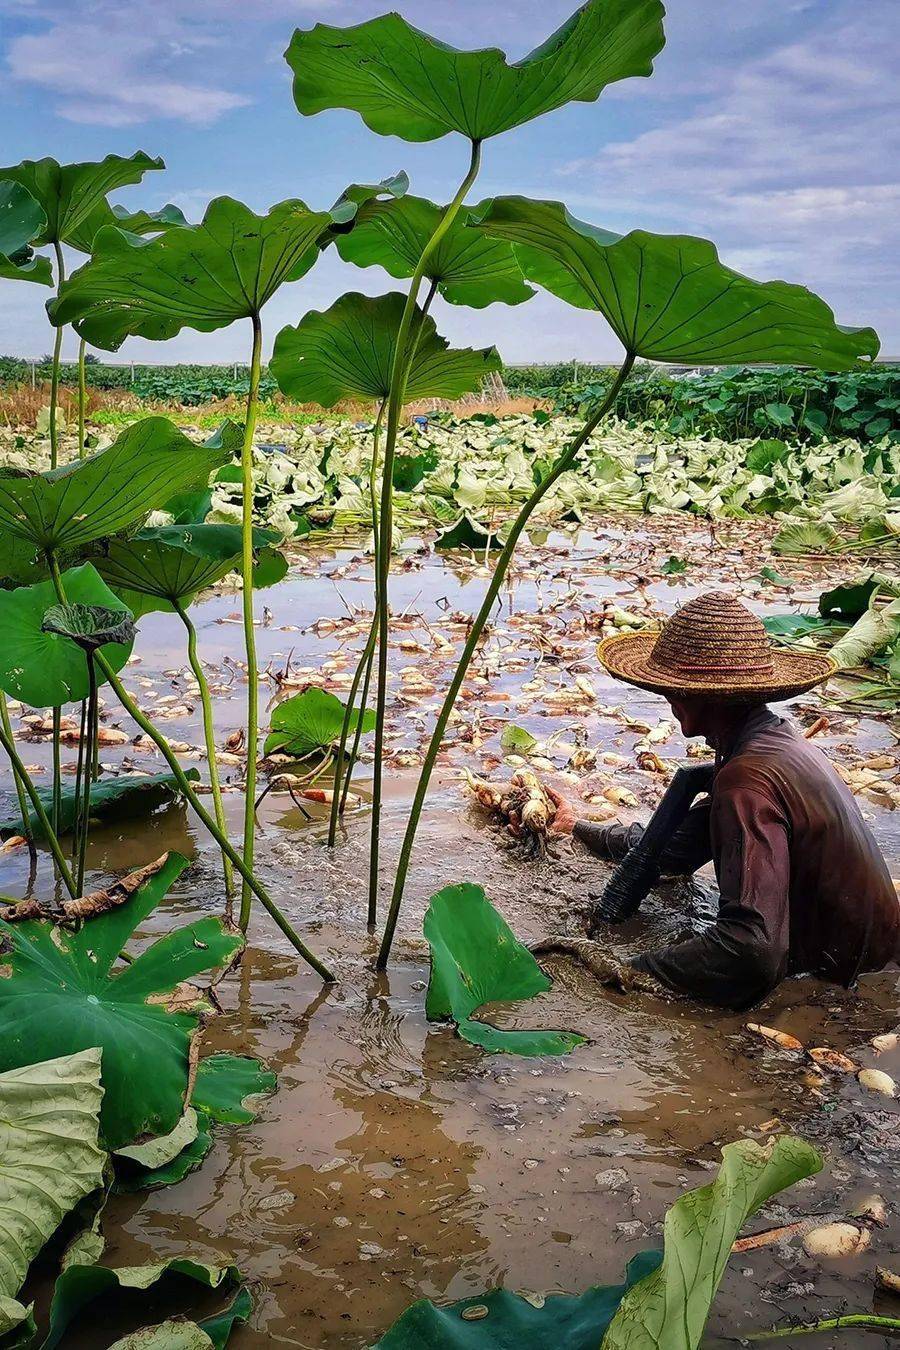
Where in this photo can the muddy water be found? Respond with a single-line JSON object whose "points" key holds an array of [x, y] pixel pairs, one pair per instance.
{"points": [[396, 1161]]}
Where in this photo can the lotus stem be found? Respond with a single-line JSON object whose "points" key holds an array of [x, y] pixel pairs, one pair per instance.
{"points": [[19, 782], [563, 464], [247, 606], [57, 770], [19, 770], [865, 1321], [365, 660], [399, 373], [168, 754], [54, 370], [209, 734], [82, 396], [79, 770]]}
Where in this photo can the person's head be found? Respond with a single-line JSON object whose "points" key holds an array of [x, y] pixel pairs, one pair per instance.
{"points": [[699, 715]]}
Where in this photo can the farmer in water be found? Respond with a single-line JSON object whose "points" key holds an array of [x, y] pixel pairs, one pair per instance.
{"points": [[803, 886]]}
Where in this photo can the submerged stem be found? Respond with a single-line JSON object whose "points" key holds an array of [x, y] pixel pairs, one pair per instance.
{"points": [[247, 607], [209, 734], [399, 374], [864, 1321], [563, 464], [168, 754]]}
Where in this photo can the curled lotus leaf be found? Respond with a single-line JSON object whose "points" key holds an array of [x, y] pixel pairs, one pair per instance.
{"points": [[403, 82], [668, 297], [69, 193], [89, 626], [22, 219]]}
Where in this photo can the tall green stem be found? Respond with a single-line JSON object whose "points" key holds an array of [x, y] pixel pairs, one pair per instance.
{"points": [[54, 372], [563, 464], [399, 373], [247, 604], [366, 657], [8, 744], [82, 396], [20, 786], [193, 800], [84, 807], [209, 733]]}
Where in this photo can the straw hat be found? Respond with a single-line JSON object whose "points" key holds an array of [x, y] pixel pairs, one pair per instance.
{"points": [[713, 646]]}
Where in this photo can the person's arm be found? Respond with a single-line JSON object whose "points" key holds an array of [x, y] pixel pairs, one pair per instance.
{"points": [[687, 851], [744, 954]]}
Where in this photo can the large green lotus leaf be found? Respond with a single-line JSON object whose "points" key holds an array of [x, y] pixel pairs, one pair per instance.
{"points": [[671, 1306], [225, 1082], [68, 193], [80, 1286], [563, 1321], [49, 1160], [668, 297], [22, 218], [89, 499], [111, 799], [309, 722], [45, 669], [469, 268], [347, 351], [477, 959], [60, 992], [404, 83], [173, 563], [192, 276]]}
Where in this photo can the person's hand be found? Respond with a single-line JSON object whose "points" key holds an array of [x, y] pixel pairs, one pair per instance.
{"points": [[565, 818]]}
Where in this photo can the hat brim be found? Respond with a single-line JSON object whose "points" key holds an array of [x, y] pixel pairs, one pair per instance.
{"points": [[627, 657]]}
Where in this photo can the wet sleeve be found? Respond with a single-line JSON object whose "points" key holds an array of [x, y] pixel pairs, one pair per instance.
{"points": [[744, 954], [689, 848]]}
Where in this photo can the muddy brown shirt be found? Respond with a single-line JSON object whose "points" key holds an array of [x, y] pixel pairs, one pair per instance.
{"points": [[803, 886]]}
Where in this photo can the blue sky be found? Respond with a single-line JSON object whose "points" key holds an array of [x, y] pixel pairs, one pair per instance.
{"points": [[771, 127]]}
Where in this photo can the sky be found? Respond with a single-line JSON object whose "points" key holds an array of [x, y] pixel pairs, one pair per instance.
{"points": [[771, 127]]}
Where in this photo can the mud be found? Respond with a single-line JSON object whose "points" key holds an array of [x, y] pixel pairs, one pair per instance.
{"points": [[396, 1161]]}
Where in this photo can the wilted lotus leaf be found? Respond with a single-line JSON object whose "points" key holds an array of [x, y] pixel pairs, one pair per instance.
{"points": [[89, 626], [348, 352], [51, 1160], [91, 498], [191, 276], [404, 83], [22, 218], [42, 666], [667, 297], [469, 269], [61, 993], [476, 959]]}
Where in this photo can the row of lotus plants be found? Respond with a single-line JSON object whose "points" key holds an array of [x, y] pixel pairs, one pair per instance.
{"points": [[77, 528]]}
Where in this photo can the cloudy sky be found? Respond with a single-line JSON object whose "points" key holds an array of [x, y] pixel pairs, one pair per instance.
{"points": [[771, 127]]}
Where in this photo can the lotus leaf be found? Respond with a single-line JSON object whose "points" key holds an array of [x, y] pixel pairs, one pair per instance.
{"points": [[476, 959], [111, 799], [310, 721], [469, 268], [404, 83], [89, 626], [225, 1082], [22, 219], [51, 1160], [42, 667], [61, 992], [347, 351], [668, 297], [192, 276], [69, 193], [88, 499]]}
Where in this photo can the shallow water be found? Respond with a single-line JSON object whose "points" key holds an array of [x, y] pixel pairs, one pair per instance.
{"points": [[396, 1161]]}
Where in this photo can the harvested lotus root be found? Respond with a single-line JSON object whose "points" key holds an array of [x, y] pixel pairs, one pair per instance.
{"points": [[521, 804]]}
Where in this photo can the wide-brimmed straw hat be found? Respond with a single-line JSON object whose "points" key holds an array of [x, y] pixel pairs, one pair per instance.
{"points": [[713, 647]]}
